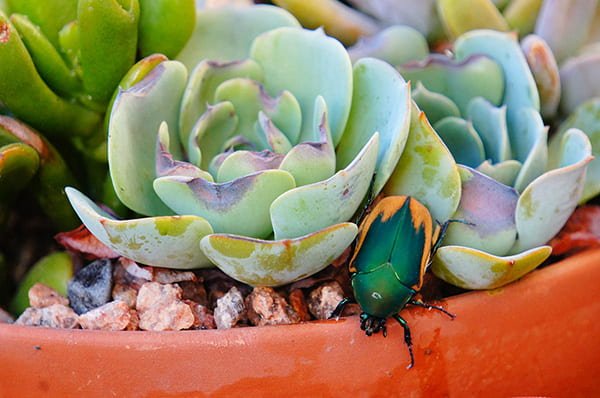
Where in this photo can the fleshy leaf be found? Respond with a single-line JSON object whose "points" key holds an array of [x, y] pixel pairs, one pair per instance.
{"points": [[241, 163], [462, 140], [214, 38], [486, 215], [435, 105], [461, 81], [200, 90], [136, 116], [381, 103], [426, 170], [249, 98], [225, 205], [473, 269], [169, 241], [504, 172], [490, 123], [545, 72], [338, 20], [274, 263], [586, 118], [276, 140], [579, 83], [18, 164], [396, 45], [546, 204], [310, 162], [521, 15], [324, 66], [520, 90], [312, 207], [460, 16], [529, 146]]}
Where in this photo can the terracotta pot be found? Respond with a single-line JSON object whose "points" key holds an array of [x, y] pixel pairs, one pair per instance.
{"points": [[538, 336]]}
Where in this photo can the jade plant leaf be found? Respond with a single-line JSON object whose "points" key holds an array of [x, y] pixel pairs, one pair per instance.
{"points": [[142, 108], [473, 269], [486, 215], [213, 37], [435, 105], [462, 140], [504, 172], [490, 123], [168, 241], [426, 170], [529, 146], [319, 205], [378, 86], [542, 209], [274, 263], [18, 164], [224, 205], [325, 68]]}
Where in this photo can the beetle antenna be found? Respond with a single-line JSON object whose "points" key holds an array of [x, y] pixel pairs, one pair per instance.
{"points": [[443, 230], [419, 303], [407, 339]]}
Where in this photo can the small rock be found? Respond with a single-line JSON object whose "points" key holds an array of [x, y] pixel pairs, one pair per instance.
{"points": [[41, 296], [125, 293], [298, 303], [203, 318], [194, 291], [160, 308], [217, 284], [111, 316], [91, 286], [134, 320], [5, 317], [324, 299], [134, 272], [267, 307], [165, 276], [54, 316], [230, 309]]}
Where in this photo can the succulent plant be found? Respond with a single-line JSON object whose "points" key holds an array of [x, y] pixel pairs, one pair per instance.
{"points": [[516, 192], [263, 140]]}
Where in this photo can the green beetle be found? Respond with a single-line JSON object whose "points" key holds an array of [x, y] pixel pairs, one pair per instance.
{"points": [[393, 249]]}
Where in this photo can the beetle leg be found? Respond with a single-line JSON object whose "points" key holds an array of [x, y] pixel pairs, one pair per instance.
{"points": [[443, 230], [339, 309], [419, 303], [407, 339]]}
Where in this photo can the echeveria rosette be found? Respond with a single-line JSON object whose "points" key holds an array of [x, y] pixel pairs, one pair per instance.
{"points": [[515, 193], [263, 156]]}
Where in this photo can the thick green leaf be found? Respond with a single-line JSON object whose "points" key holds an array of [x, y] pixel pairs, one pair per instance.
{"points": [[308, 64], [460, 16], [490, 123], [136, 116], [435, 105], [380, 103], [18, 164], [169, 241], [545, 72], [462, 140], [274, 263], [396, 45], [529, 146]]}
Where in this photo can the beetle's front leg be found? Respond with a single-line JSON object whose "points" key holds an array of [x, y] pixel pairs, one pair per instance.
{"points": [[407, 339], [419, 303], [339, 308]]}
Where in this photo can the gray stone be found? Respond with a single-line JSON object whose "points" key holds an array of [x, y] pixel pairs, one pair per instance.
{"points": [[91, 286]]}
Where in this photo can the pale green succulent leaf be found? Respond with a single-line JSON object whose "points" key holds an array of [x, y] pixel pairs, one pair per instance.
{"points": [[211, 133], [529, 146], [226, 34], [249, 99], [460, 16], [313, 161], [135, 119], [381, 103], [521, 15], [435, 105], [476, 270], [586, 118], [396, 45], [323, 66], [546, 204], [225, 205], [486, 215], [274, 263], [426, 170], [200, 90], [276, 140], [312, 207], [579, 83], [504, 172], [490, 123], [241, 163], [520, 90], [545, 73], [462, 140], [168, 241]]}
